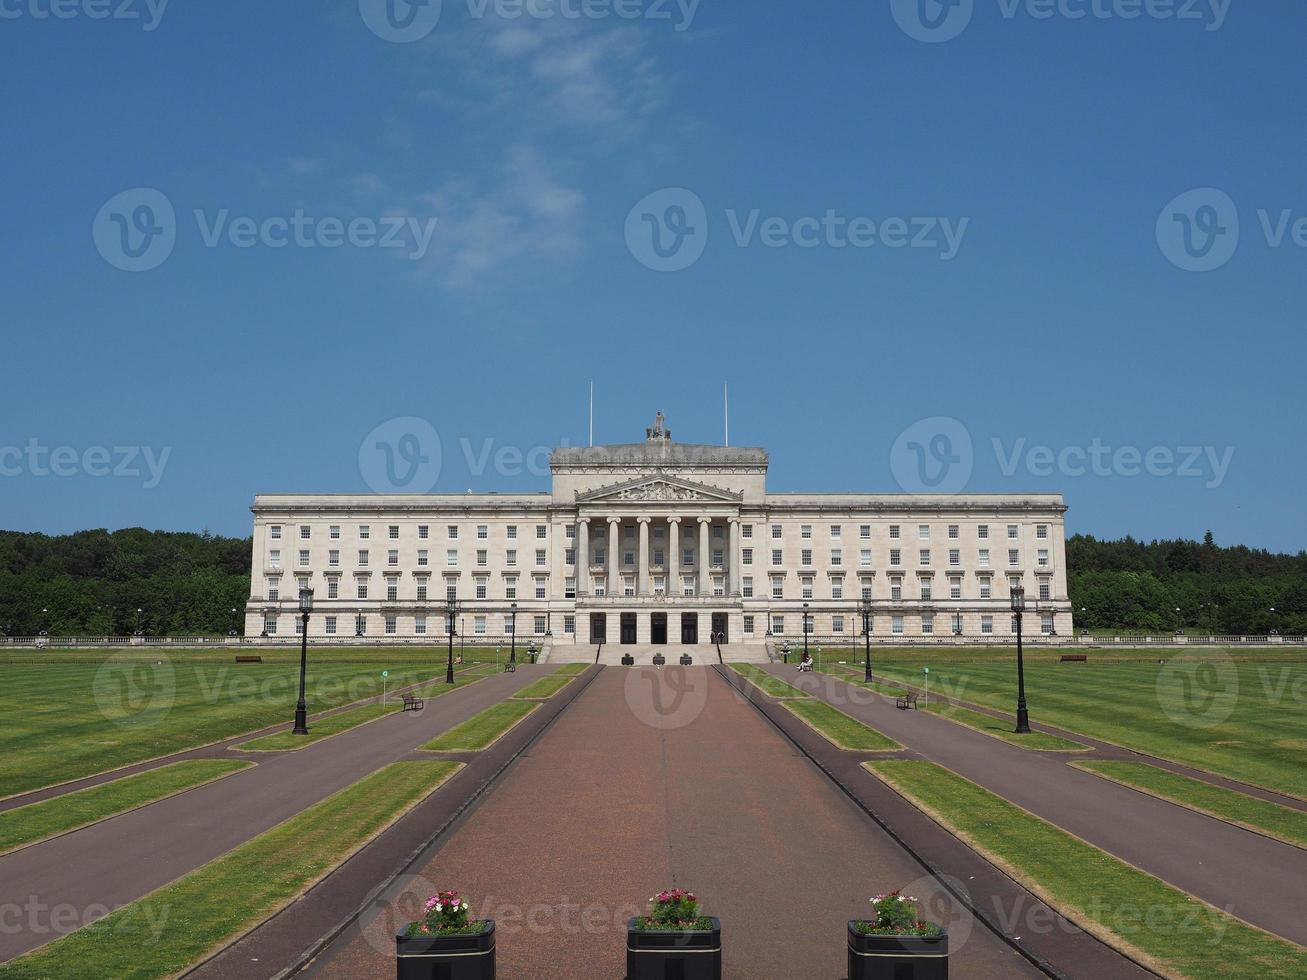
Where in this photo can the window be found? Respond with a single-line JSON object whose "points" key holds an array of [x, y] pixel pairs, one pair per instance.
{"points": [[986, 625], [569, 557], [270, 625], [479, 625], [927, 625], [483, 558], [955, 588], [363, 559], [923, 532], [746, 530], [748, 625], [837, 624], [864, 532], [541, 558], [986, 588], [778, 625], [895, 557], [274, 590], [718, 587], [837, 557], [777, 557], [836, 530], [746, 587], [451, 590], [333, 558], [571, 532], [807, 588], [1045, 590], [569, 588], [923, 557], [365, 531], [274, 558], [420, 625], [451, 558], [1042, 557], [628, 559], [392, 532], [1041, 532], [392, 591], [984, 557], [600, 558], [954, 557], [953, 532], [540, 589], [896, 589], [569, 625], [927, 590], [896, 625], [510, 557], [304, 558], [687, 558], [512, 532], [1046, 624], [483, 532], [334, 532], [452, 532], [481, 588], [746, 556], [1013, 557], [424, 558], [274, 532], [982, 532], [805, 557], [775, 531], [422, 592], [1012, 531], [333, 588], [542, 532], [540, 625], [778, 587], [361, 589], [894, 532], [392, 557], [805, 531], [510, 588], [718, 558], [659, 585], [305, 532], [837, 588], [866, 588], [864, 558], [330, 623]]}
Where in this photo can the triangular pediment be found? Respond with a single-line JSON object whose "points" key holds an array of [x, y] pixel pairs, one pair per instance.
{"points": [[659, 488]]}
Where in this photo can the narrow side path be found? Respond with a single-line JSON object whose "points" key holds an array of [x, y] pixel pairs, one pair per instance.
{"points": [[654, 778], [1252, 877], [125, 857]]}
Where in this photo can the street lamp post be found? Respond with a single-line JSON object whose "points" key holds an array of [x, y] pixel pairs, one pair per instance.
{"points": [[1018, 608], [451, 609], [805, 631], [301, 709], [866, 633], [512, 642]]}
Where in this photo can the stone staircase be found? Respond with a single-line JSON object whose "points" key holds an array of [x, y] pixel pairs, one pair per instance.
{"points": [[703, 653]]}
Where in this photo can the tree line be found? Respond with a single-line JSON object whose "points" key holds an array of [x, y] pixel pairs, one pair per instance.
{"points": [[94, 582]]}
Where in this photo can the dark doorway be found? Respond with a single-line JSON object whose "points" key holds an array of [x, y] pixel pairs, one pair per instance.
{"points": [[598, 628], [658, 629], [689, 628], [628, 629], [719, 630]]}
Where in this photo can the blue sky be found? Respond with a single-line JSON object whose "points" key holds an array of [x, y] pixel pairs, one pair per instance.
{"points": [[958, 262]]}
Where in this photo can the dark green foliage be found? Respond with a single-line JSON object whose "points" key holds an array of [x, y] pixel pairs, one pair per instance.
{"points": [[93, 582], [1133, 585]]}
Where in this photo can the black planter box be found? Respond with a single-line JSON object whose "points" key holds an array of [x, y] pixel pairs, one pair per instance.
{"points": [[446, 957], [897, 957], [659, 660], [687, 660], [674, 955], [628, 660]]}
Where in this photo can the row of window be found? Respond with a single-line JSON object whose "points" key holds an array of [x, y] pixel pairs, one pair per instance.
{"points": [[423, 532], [358, 625]]}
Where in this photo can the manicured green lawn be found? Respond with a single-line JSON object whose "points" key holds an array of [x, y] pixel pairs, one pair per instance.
{"points": [[482, 730], [1233, 712], [1267, 818], [771, 686], [1178, 935], [839, 728], [162, 934], [37, 821], [544, 688], [69, 714]]}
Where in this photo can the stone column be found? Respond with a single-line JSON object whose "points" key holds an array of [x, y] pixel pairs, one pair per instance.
{"points": [[614, 564], [733, 560], [583, 557], [705, 557], [674, 557], [642, 558]]}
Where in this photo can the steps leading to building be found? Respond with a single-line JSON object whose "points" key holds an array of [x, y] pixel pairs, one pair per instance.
{"points": [[703, 653]]}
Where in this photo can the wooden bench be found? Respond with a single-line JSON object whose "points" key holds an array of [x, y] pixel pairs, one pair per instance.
{"points": [[249, 660], [413, 704], [1075, 658], [906, 701]]}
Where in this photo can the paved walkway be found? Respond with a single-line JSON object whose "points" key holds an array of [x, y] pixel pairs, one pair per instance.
{"points": [[653, 779], [1252, 877], [123, 858]]}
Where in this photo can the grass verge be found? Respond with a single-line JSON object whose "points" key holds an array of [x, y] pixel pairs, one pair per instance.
{"points": [[1002, 728], [482, 730], [1163, 927], [545, 688], [165, 932], [26, 825], [771, 686], [1261, 816], [839, 728]]}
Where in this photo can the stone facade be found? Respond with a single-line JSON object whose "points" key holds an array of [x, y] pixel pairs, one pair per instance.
{"points": [[659, 542]]}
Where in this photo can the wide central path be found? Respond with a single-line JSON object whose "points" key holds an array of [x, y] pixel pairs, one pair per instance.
{"points": [[653, 779]]}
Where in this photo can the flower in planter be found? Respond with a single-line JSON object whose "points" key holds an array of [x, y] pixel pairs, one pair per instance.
{"points": [[897, 914], [674, 910], [445, 914]]}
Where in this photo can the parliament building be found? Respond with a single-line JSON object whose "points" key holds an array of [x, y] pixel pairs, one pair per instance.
{"points": [[654, 543]]}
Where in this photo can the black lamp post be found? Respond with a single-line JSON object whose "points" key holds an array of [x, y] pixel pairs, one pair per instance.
{"points": [[451, 610], [805, 631], [301, 709], [1018, 608], [866, 633], [512, 641]]}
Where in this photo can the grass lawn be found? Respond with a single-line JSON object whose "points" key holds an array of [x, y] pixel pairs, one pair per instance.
{"points": [[163, 933], [771, 686], [839, 728], [37, 821], [544, 688], [1171, 931], [482, 730], [69, 714], [1233, 712], [1271, 819], [343, 721]]}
